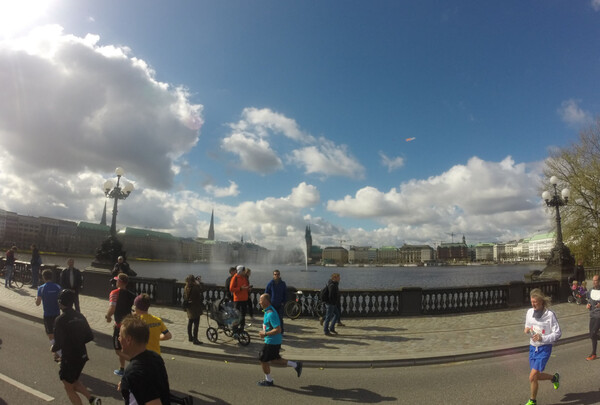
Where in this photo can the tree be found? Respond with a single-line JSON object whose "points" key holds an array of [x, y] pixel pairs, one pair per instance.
{"points": [[578, 168]]}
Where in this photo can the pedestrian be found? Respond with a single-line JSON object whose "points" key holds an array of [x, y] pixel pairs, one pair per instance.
{"points": [[145, 380], [332, 303], [239, 288], [158, 330], [47, 295], [9, 267], [250, 304], [71, 333], [579, 273], [36, 262], [593, 297], [71, 278], [271, 333], [228, 295], [277, 290], [121, 266], [192, 296], [542, 327], [120, 303]]}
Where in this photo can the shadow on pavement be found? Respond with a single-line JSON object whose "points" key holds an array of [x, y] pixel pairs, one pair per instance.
{"points": [[101, 388], [580, 398], [199, 398], [358, 395]]}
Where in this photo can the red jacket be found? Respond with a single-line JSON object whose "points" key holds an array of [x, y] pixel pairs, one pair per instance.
{"points": [[235, 287]]}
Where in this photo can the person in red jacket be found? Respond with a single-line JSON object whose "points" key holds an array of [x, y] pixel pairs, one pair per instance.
{"points": [[239, 287]]}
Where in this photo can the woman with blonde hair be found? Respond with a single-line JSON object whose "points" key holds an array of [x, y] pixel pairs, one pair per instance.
{"points": [[542, 327], [194, 305]]}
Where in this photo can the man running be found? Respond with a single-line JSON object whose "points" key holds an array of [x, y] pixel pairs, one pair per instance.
{"points": [[271, 332], [593, 296], [48, 295], [120, 303]]}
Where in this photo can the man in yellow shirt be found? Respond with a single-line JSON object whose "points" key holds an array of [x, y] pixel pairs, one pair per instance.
{"points": [[158, 330]]}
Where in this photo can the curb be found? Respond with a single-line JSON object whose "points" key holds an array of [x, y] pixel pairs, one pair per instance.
{"points": [[408, 362]]}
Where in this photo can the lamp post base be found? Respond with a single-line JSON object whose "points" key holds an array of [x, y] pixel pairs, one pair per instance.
{"points": [[108, 253], [560, 266]]}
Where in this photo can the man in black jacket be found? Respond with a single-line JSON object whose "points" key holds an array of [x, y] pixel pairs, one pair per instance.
{"points": [[72, 279], [332, 303]]}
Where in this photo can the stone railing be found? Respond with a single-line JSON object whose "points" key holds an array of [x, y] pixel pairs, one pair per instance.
{"points": [[408, 301]]}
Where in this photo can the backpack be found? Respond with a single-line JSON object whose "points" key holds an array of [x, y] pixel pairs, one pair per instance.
{"points": [[324, 294]]}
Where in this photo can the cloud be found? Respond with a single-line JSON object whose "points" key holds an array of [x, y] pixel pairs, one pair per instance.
{"points": [[248, 140], [219, 192], [327, 159], [482, 198], [69, 104], [391, 163], [570, 112], [595, 5]]}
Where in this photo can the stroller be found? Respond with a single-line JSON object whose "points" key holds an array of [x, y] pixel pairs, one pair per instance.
{"points": [[228, 321], [578, 296]]}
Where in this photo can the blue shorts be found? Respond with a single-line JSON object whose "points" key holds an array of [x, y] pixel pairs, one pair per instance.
{"points": [[538, 358]]}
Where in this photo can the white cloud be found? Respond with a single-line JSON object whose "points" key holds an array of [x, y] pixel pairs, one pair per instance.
{"points": [[255, 153], [596, 5], [70, 105], [328, 159], [263, 122], [570, 112], [481, 199], [391, 163], [219, 192]]}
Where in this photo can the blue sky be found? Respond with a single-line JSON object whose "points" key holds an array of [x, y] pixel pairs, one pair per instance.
{"points": [[279, 115]]}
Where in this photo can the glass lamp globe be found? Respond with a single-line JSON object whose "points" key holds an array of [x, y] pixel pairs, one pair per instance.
{"points": [[546, 195], [119, 171]]}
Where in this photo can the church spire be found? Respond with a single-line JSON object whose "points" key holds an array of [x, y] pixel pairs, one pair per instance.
{"points": [[103, 220], [211, 229]]}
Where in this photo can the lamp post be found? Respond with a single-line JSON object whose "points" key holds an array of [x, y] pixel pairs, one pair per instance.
{"points": [[560, 264], [117, 193]]}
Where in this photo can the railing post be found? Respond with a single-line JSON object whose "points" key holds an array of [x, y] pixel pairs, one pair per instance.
{"points": [[515, 294], [410, 300], [166, 291]]}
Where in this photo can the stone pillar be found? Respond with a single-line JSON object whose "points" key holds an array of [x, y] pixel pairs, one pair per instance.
{"points": [[410, 299], [165, 291], [515, 294]]}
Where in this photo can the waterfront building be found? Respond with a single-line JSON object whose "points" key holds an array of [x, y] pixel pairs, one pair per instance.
{"points": [[388, 255], [87, 238], [540, 246], [499, 252], [415, 254], [359, 255], [335, 255], [484, 252], [453, 252]]}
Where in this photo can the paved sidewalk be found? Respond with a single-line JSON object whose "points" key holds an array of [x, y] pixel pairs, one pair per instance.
{"points": [[363, 342]]}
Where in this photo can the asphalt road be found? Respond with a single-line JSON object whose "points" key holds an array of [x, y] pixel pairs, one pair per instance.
{"points": [[25, 359]]}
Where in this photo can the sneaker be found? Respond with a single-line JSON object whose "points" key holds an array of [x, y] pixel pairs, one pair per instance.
{"points": [[119, 372], [95, 400], [531, 402], [265, 383], [591, 357], [334, 332], [298, 368], [327, 334], [556, 381]]}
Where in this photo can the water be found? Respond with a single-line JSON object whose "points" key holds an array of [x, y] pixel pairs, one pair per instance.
{"points": [[371, 278]]}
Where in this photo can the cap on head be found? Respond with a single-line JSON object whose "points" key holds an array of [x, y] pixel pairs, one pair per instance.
{"points": [[66, 298], [240, 269]]}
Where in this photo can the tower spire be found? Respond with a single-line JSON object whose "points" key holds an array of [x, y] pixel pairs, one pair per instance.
{"points": [[103, 220]]}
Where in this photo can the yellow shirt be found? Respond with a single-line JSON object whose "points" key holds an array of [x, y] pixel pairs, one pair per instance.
{"points": [[157, 327]]}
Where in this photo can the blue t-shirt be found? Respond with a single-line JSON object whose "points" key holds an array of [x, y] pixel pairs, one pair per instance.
{"points": [[49, 293], [270, 322]]}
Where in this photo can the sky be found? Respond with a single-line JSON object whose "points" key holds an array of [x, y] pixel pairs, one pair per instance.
{"points": [[376, 123]]}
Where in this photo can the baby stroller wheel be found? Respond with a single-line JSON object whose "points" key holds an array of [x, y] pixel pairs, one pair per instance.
{"points": [[243, 338], [571, 299], [228, 332], [212, 334]]}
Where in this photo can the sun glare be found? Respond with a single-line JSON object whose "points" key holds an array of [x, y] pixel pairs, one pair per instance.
{"points": [[18, 16]]}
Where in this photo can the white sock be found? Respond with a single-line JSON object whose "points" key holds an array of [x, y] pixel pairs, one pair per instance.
{"points": [[292, 363], [268, 377]]}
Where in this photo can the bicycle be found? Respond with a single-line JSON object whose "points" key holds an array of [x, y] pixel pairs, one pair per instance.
{"points": [[21, 276], [293, 309]]}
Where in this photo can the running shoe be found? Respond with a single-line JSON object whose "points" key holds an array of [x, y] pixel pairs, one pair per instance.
{"points": [[298, 368], [119, 372], [591, 357], [531, 402], [95, 400], [265, 383], [556, 381]]}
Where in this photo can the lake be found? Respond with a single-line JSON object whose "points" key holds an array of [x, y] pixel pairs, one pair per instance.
{"points": [[370, 278]]}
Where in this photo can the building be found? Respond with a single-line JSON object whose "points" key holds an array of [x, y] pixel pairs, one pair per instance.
{"points": [[388, 255], [335, 255], [540, 246], [453, 252], [484, 252], [415, 254], [359, 255]]}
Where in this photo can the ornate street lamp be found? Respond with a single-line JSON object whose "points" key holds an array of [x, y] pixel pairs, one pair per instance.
{"points": [[560, 264], [117, 193]]}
